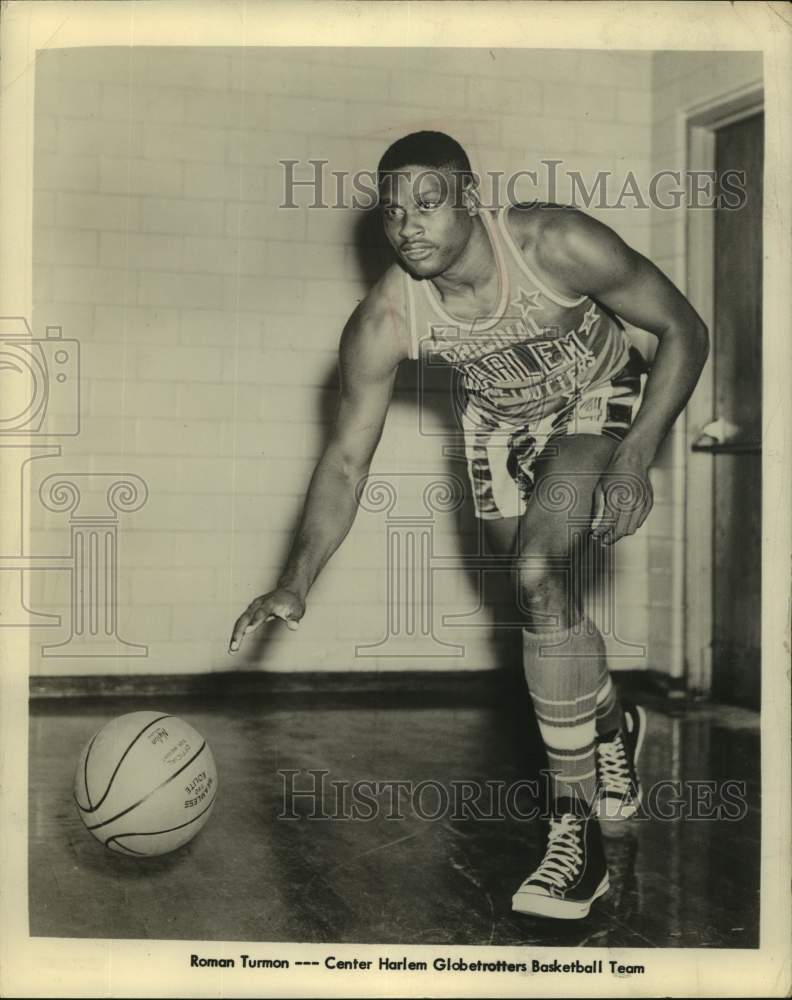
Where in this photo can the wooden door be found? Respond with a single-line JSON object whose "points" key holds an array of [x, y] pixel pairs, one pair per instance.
{"points": [[737, 355]]}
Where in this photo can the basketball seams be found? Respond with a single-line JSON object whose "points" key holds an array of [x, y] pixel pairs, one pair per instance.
{"points": [[89, 807], [93, 808], [123, 848], [153, 791], [116, 838]]}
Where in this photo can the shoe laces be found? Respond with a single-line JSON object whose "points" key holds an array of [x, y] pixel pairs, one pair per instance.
{"points": [[613, 766], [564, 854]]}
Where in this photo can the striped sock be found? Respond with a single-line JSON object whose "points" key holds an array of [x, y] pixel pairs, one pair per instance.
{"points": [[609, 711], [610, 718], [562, 669]]}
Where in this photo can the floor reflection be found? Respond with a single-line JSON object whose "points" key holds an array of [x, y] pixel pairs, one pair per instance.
{"points": [[406, 870]]}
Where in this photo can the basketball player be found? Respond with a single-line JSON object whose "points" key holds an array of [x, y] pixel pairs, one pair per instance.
{"points": [[524, 304]]}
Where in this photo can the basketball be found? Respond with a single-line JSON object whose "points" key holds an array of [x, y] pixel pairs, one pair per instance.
{"points": [[145, 784]]}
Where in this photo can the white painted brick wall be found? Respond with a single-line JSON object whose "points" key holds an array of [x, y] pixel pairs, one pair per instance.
{"points": [[82, 137], [55, 246], [136, 325], [138, 176], [210, 318], [59, 172], [97, 212], [180, 216]]}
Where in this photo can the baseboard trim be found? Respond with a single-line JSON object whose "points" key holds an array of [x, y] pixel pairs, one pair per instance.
{"points": [[450, 685], [256, 683], [653, 681]]}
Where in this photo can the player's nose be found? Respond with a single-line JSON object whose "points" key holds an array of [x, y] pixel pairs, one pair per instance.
{"points": [[411, 227]]}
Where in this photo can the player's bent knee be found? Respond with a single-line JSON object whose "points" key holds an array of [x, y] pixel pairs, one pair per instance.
{"points": [[534, 571], [542, 581], [544, 551]]}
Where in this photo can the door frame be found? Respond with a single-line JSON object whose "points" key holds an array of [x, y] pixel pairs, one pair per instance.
{"points": [[701, 123]]}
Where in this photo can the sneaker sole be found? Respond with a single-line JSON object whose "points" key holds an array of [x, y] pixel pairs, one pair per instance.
{"points": [[562, 909], [630, 811], [641, 731]]}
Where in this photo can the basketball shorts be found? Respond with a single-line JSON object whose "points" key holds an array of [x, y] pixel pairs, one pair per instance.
{"points": [[501, 456]]}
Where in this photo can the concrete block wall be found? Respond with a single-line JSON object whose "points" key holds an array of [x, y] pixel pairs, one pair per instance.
{"points": [[209, 318]]}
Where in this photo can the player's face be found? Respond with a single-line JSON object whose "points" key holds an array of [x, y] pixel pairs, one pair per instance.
{"points": [[425, 222]]}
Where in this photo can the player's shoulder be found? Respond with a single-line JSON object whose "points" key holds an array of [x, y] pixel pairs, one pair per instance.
{"points": [[379, 322], [535, 222], [385, 303], [557, 235]]}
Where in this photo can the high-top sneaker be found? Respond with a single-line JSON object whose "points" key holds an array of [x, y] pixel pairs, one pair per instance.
{"points": [[573, 872], [618, 785]]}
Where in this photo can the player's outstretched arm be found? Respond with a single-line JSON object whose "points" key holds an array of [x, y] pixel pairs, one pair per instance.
{"points": [[370, 352], [591, 259]]}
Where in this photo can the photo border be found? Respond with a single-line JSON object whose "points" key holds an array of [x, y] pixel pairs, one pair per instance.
{"points": [[113, 968]]}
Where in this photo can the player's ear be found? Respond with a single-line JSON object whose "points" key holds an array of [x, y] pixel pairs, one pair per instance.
{"points": [[471, 201]]}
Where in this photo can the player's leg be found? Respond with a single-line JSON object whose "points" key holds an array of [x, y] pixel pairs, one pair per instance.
{"points": [[501, 538], [563, 662], [568, 679], [563, 652], [604, 412], [501, 534], [608, 410]]}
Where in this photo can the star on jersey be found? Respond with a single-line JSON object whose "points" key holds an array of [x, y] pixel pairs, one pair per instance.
{"points": [[527, 302], [590, 320]]}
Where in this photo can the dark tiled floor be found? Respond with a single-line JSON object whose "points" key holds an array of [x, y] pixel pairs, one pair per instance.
{"points": [[251, 876]]}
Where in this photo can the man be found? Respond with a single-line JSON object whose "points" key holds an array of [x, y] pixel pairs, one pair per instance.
{"points": [[524, 304]]}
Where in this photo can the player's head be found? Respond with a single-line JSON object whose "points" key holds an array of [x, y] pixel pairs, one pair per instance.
{"points": [[428, 198]]}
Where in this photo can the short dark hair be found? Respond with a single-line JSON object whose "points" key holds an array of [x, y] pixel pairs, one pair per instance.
{"points": [[426, 149]]}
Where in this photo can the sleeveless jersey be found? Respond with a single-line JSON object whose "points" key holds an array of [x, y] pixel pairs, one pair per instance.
{"points": [[537, 352]]}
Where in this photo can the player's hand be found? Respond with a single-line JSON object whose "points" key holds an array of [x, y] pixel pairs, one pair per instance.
{"points": [[622, 498], [279, 603]]}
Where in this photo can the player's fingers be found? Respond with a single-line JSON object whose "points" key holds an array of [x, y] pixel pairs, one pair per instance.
{"points": [[598, 510], [238, 632], [641, 514], [609, 520], [290, 611], [639, 510], [280, 613], [648, 503], [636, 513], [622, 525], [636, 518], [257, 618], [291, 624]]}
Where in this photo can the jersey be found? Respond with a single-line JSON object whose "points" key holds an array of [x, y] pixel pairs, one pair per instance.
{"points": [[538, 351]]}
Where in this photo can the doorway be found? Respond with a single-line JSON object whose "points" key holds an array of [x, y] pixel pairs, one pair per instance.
{"points": [[724, 469]]}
